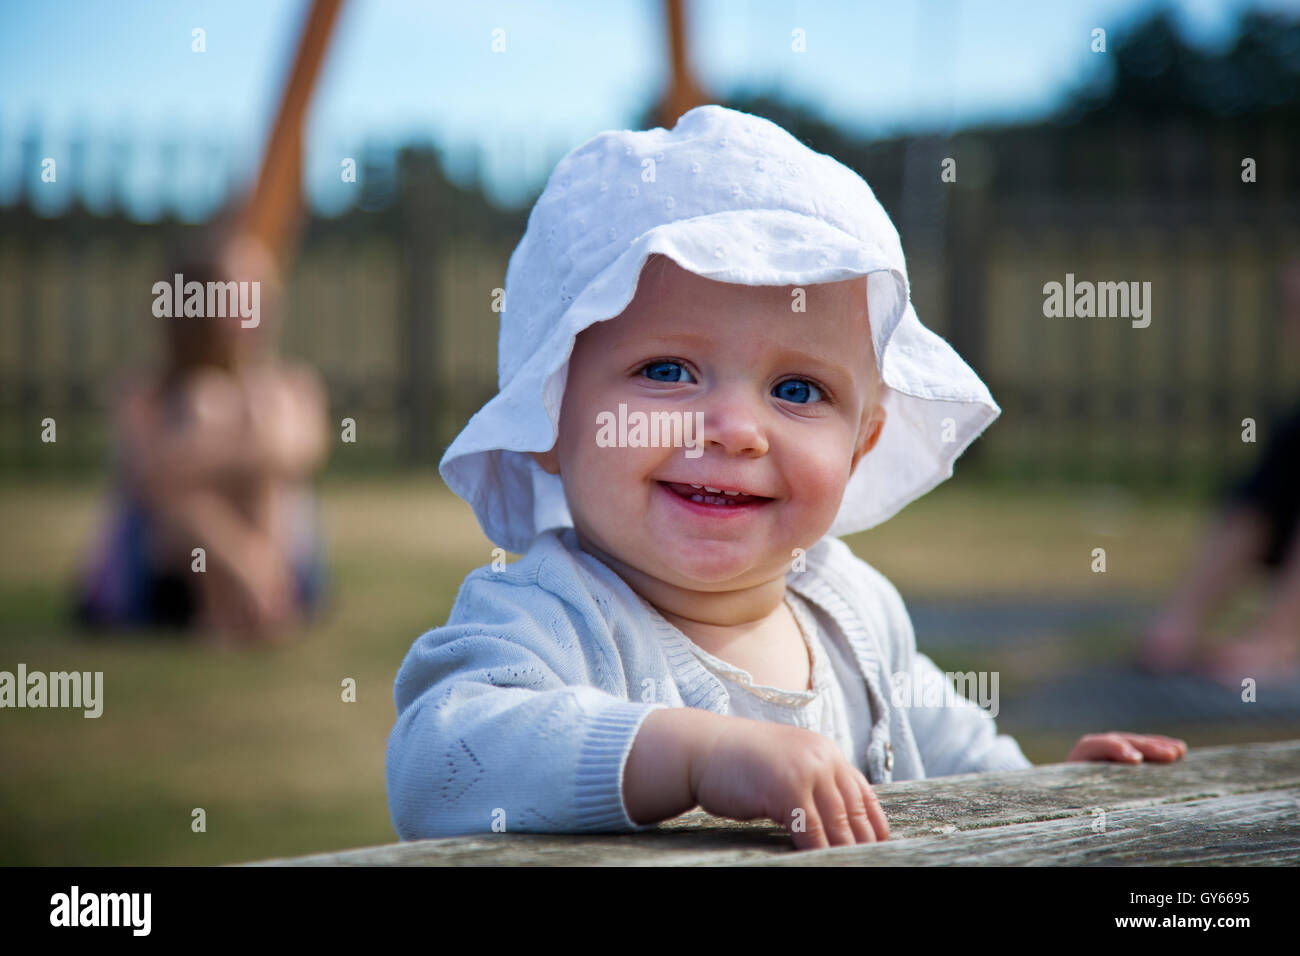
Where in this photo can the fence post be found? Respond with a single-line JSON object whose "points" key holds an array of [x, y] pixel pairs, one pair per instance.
{"points": [[419, 315], [966, 257], [1175, 144]]}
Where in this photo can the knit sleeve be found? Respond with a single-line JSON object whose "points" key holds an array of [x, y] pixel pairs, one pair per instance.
{"points": [[499, 728], [954, 734]]}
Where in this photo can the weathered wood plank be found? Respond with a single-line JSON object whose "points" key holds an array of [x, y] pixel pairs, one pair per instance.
{"points": [[1255, 829], [917, 810], [543, 849], [917, 807]]}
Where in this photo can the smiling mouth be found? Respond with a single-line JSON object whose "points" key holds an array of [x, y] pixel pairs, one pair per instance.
{"points": [[708, 495]]}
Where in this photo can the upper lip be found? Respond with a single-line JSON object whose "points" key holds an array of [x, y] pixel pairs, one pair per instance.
{"points": [[727, 486]]}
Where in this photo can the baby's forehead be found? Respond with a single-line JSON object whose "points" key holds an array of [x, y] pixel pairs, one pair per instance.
{"points": [[668, 294], [672, 305]]}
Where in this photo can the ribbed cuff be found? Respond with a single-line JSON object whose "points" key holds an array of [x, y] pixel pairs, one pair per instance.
{"points": [[598, 797]]}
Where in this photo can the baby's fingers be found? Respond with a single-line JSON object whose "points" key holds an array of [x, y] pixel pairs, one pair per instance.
{"points": [[875, 812], [1157, 747], [855, 804], [834, 815], [1111, 746], [1127, 748], [805, 824]]}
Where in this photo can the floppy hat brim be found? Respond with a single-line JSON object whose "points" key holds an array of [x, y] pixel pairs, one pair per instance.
{"points": [[514, 499]]}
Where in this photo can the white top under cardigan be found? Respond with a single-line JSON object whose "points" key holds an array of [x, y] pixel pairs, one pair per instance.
{"points": [[521, 711], [836, 706]]}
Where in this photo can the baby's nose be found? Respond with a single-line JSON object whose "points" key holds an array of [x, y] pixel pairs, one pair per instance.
{"points": [[733, 422]]}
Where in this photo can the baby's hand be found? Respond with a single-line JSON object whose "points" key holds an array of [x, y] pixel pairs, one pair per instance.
{"points": [[1128, 748], [792, 776]]}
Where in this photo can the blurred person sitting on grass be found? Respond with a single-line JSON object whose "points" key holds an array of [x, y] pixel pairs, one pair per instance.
{"points": [[214, 451], [1258, 526]]}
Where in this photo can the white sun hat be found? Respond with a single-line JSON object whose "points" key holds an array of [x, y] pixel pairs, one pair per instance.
{"points": [[734, 198]]}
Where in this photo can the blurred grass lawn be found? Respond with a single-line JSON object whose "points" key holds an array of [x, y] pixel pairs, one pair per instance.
{"points": [[262, 741]]}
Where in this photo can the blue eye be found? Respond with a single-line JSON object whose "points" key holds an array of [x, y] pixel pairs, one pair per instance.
{"points": [[797, 390], [666, 372]]}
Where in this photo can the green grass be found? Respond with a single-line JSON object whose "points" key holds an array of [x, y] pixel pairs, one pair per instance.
{"points": [[261, 740]]}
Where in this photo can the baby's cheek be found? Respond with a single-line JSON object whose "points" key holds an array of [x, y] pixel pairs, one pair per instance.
{"points": [[820, 480], [604, 478], [824, 468]]}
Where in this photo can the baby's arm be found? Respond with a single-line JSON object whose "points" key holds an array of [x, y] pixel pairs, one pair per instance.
{"points": [[498, 729], [957, 736], [497, 726], [750, 769], [657, 778]]}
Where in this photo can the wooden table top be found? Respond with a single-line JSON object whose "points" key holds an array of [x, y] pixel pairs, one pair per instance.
{"points": [[1227, 806]]}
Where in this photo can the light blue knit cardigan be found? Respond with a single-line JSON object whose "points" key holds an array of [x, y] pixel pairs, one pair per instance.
{"points": [[519, 714]]}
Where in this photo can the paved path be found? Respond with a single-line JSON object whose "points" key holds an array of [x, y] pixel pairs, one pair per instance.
{"points": [[1113, 695], [999, 622], [1117, 697]]}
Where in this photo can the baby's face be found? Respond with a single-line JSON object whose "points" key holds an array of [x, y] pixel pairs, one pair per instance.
{"points": [[790, 403]]}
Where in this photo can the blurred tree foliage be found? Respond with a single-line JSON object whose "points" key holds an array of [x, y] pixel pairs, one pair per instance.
{"points": [[1155, 74], [1149, 72]]}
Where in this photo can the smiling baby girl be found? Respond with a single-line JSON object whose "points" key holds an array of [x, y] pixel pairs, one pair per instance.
{"points": [[685, 626]]}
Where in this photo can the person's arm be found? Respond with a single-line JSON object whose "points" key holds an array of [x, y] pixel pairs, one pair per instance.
{"points": [[1281, 616], [158, 459], [1232, 547], [1244, 533], [658, 781], [293, 440], [497, 728]]}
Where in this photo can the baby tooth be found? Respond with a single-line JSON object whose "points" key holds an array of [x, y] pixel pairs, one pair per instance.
{"points": [[712, 490], [731, 492], [697, 486]]}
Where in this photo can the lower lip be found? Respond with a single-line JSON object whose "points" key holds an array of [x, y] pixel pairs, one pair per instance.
{"points": [[713, 511]]}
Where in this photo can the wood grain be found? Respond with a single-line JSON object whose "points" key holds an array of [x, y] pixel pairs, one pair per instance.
{"points": [[1219, 805]]}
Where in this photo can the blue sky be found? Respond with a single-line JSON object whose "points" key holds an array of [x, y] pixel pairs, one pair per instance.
{"points": [[400, 69]]}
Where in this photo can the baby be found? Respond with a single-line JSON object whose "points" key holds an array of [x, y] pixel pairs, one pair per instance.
{"points": [[685, 627]]}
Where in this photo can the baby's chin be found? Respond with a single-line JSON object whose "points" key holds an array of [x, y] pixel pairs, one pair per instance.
{"points": [[691, 561], [725, 567]]}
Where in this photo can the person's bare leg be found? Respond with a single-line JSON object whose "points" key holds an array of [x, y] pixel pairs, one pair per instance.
{"points": [[1234, 545], [246, 588], [224, 617], [272, 514], [1270, 651]]}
